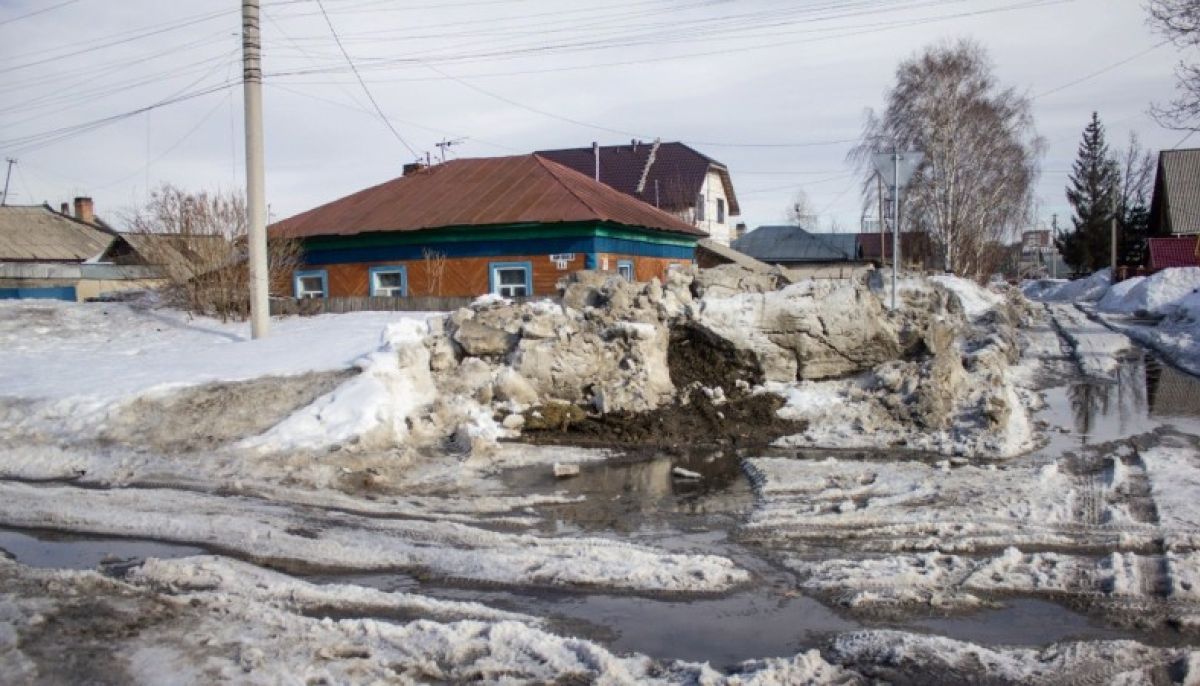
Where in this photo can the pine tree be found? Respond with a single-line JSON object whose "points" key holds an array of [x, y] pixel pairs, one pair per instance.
{"points": [[1091, 190]]}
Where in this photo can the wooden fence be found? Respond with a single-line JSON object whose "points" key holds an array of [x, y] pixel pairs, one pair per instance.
{"points": [[312, 306]]}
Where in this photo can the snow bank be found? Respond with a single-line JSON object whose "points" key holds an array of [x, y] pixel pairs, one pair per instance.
{"points": [[976, 300], [1089, 289], [1157, 294], [373, 407]]}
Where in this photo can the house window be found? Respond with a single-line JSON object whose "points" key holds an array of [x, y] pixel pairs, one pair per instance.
{"points": [[312, 284], [391, 282], [511, 279], [700, 202], [625, 269], [720, 210]]}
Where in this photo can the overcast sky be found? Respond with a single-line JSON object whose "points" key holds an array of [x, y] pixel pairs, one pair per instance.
{"points": [[772, 88]]}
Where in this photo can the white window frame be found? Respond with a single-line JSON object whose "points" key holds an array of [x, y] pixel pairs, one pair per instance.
{"points": [[387, 291], [623, 266], [298, 284], [509, 290]]}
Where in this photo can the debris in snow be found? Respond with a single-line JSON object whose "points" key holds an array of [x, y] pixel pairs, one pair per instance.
{"points": [[565, 470], [685, 473]]}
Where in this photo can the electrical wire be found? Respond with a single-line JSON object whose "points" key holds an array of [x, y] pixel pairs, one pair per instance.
{"points": [[366, 90], [37, 12]]}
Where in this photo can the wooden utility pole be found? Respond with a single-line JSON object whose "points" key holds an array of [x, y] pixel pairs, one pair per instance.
{"points": [[1112, 242], [256, 204]]}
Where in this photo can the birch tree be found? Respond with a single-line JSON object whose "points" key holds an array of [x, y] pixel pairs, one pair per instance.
{"points": [[974, 190], [1179, 21]]}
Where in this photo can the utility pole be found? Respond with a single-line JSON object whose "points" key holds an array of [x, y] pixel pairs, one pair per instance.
{"points": [[1112, 242], [256, 205], [7, 176], [1054, 238], [895, 225], [882, 235]]}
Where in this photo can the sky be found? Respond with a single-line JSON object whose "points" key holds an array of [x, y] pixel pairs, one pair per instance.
{"points": [[111, 98]]}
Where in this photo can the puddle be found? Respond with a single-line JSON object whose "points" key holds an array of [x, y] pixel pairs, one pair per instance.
{"points": [[1145, 395], [1022, 621], [65, 551]]}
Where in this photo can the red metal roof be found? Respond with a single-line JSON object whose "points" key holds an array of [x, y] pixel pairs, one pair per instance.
{"points": [[489, 191], [1175, 251]]}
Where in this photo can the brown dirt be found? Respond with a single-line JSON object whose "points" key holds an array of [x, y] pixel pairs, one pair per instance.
{"points": [[749, 421], [695, 359]]}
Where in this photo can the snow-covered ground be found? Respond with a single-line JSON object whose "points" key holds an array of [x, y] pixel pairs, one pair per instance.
{"points": [[1161, 311], [334, 447]]}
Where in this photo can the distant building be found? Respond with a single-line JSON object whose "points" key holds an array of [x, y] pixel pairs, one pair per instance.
{"points": [[1039, 257], [59, 255], [512, 226], [671, 176], [1175, 207], [790, 245]]}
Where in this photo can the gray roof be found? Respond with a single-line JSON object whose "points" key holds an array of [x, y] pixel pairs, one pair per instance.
{"points": [[1176, 204], [789, 243], [38, 233]]}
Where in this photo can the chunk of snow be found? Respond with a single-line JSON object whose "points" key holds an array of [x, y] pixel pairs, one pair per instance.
{"points": [[976, 300]]}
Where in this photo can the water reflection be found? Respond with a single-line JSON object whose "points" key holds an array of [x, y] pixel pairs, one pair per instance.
{"points": [[1144, 395]]}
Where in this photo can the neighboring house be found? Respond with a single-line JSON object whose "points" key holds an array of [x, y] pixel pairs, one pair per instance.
{"points": [[512, 226], [670, 176], [1171, 251], [1175, 207], [790, 245], [53, 254]]}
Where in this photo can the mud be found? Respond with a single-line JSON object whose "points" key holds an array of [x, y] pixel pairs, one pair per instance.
{"points": [[715, 408]]}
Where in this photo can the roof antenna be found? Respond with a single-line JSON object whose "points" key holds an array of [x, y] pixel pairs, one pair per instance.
{"points": [[445, 144], [596, 157]]}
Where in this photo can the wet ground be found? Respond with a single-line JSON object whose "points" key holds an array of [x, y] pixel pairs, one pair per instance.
{"points": [[655, 498]]}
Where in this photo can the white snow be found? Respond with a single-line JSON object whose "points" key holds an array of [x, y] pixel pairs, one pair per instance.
{"points": [[1089, 289], [976, 300], [1174, 474], [395, 381]]}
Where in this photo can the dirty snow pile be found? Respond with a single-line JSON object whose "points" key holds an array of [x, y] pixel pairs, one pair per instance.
{"points": [[1161, 311], [208, 619], [964, 396]]}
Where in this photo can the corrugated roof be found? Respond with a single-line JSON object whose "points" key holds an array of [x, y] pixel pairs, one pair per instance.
{"points": [[790, 243], [38, 233], [1173, 252], [480, 192], [677, 171], [1176, 201]]}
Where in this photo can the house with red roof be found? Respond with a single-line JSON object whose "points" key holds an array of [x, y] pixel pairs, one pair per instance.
{"points": [[1175, 211], [512, 226], [670, 176]]}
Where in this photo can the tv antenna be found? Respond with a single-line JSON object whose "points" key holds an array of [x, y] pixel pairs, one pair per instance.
{"points": [[446, 144]]}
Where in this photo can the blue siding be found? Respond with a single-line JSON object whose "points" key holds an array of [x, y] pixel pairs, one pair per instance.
{"points": [[499, 248], [49, 293]]}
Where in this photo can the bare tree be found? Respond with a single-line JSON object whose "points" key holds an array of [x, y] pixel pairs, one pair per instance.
{"points": [[800, 212], [1136, 166], [198, 243], [974, 190], [435, 270], [1179, 21]]}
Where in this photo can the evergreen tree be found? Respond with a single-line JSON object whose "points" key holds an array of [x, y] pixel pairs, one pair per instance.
{"points": [[1091, 190]]}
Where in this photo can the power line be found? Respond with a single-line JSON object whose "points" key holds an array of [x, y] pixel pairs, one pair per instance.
{"points": [[37, 12], [1103, 70], [362, 83]]}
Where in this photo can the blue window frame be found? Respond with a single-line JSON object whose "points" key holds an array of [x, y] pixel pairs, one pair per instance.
{"points": [[510, 279], [390, 281], [312, 283], [625, 269]]}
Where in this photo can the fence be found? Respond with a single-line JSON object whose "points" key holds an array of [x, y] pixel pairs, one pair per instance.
{"points": [[312, 306]]}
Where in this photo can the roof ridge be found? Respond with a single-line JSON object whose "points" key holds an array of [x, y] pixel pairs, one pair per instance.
{"points": [[558, 179]]}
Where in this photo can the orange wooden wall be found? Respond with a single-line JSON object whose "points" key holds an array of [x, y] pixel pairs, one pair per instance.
{"points": [[468, 276]]}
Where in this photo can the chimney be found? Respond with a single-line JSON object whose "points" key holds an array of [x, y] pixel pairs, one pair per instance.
{"points": [[739, 230], [413, 168], [64, 209], [596, 157], [83, 210], [633, 143]]}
